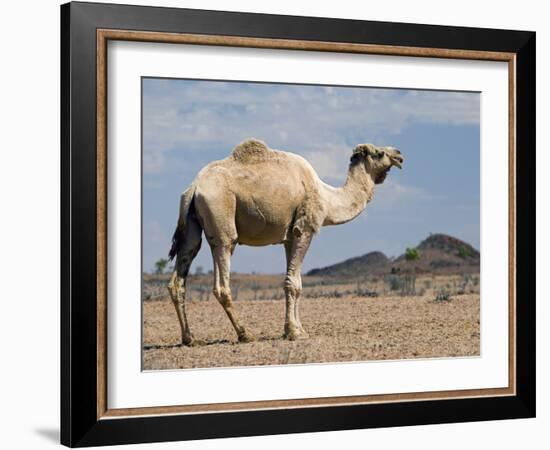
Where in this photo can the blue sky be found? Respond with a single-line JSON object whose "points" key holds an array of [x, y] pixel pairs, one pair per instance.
{"points": [[188, 123]]}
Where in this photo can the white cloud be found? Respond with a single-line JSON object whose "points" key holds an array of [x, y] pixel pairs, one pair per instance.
{"points": [[455, 108], [322, 123], [331, 162], [392, 194]]}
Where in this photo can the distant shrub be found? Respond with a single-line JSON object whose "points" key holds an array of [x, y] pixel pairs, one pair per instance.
{"points": [[408, 286], [160, 265], [366, 293], [362, 290], [203, 291], [409, 281], [255, 287], [466, 280], [394, 283], [465, 252], [405, 284], [412, 254], [443, 296], [235, 288]]}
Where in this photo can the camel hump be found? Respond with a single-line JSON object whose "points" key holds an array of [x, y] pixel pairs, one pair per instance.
{"points": [[251, 150]]}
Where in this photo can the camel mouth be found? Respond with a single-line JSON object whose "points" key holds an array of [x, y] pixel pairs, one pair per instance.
{"points": [[397, 161]]}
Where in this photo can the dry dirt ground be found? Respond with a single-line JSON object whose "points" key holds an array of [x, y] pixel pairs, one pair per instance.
{"points": [[341, 329]]}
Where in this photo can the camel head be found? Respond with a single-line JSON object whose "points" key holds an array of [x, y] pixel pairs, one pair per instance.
{"points": [[377, 160]]}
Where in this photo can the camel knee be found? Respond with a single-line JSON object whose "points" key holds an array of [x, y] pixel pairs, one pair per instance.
{"points": [[217, 292], [176, 288], [293, 286], [223, 295]]}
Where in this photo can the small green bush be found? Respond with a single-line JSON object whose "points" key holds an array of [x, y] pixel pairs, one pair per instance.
{"points": [[465, 252], [160, 265], [412, 254]]}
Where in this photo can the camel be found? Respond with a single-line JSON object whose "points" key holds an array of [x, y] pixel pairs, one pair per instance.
{"points": [[258, 196]]}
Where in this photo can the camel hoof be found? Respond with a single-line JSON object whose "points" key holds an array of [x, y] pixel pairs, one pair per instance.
{"points": [[245, 337], [296, 335], [190, 341]]}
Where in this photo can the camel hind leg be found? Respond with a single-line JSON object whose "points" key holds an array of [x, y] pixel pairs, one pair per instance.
{"points": [[222, 289], [191, 244], [216, 206]]}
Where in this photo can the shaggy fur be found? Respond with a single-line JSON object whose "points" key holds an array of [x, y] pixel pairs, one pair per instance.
{"points": [[251, 150]]}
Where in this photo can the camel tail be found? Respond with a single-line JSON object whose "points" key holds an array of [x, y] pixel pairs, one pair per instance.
{"points": [[186, 209]]}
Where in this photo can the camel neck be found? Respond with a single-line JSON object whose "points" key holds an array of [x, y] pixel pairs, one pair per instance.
{"points": [[347, 202]]}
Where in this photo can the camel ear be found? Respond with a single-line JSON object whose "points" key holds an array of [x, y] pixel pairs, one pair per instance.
{"points": [[355, 157], [365, 150], [359, 152]]}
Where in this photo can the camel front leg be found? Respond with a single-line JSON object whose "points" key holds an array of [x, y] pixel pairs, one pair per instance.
{"points": [[295, 253], [293, 304], [222, 290]]}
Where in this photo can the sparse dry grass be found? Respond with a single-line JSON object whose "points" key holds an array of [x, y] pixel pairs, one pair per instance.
{"points": [[341, 329]]}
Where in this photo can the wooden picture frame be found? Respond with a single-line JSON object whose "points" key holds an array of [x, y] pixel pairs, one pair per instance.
{"points": [[86, 418]]}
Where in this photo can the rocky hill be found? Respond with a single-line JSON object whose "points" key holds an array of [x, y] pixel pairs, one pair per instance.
{"points": [[439, 253], [369, 263]]}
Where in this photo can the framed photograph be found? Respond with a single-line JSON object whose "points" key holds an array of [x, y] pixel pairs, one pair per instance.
{"points": [[277, 224]]}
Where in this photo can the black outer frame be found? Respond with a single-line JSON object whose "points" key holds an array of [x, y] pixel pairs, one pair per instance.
{"points": [[79, 424]]}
